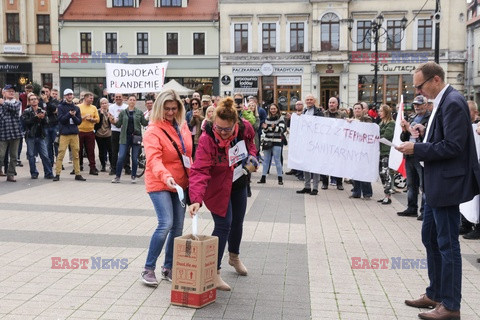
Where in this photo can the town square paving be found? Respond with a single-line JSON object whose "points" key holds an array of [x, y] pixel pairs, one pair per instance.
{"points": [[305, 254]]}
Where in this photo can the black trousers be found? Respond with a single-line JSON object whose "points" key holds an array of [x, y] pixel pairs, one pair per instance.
{"points": [[104, 150]]}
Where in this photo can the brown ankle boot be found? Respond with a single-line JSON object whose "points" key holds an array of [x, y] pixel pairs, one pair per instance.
{"points": [[220, 284], [235, 262]]}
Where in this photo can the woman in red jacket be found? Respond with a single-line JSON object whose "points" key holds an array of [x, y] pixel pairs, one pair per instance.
{"points": [[219, 179], [166, 169]]}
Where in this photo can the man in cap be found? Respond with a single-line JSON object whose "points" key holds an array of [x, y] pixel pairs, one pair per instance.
{"points": [[69, 118], [412, 165], [10, 129], [206, 102]]}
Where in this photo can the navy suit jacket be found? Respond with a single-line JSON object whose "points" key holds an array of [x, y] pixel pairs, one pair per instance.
{"points": [[451, 172]]}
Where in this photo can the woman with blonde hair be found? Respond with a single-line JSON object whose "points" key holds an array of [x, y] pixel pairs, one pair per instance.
{"points": [[168, 148], [387, 127], [212, 180]]}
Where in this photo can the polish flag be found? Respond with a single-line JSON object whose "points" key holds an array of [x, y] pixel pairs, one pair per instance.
{"points": [[396, 161]]}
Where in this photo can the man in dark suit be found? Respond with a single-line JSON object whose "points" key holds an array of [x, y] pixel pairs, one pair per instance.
{"points": [[451, 175]]}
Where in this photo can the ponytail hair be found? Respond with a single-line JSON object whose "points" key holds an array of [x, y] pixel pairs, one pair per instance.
{"points": [[226, 110]]}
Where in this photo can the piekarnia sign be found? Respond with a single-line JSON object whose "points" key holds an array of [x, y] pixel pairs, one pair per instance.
{"points": [[135, 78], [334, 147]]}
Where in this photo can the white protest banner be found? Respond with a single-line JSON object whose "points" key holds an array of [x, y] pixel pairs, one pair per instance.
{"points": [[334, 147], [135, 78]]}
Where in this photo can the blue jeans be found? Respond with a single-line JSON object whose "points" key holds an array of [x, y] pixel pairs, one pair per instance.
{"points": [[230, 227], [414, 182], [440, 230], [170, 215], [50, 135], [361, 187], [267, 157], [34, 146], [123, 148]]}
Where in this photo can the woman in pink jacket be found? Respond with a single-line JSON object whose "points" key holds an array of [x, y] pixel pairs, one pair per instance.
{"points": [[218, 178], [167, 163]]}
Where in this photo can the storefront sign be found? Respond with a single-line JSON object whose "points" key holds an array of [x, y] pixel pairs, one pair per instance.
{"points": [[15, 67], [266, 69], [226, 80], [289, 81], [392, 57], [276, 70], [386, 67], [246, 82], [13, 48]]}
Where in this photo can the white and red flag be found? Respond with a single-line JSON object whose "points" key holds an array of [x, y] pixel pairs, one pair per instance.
{"points": [[396, 161]]}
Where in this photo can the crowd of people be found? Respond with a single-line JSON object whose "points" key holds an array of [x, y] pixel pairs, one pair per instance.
{"points": [[188, 145]]}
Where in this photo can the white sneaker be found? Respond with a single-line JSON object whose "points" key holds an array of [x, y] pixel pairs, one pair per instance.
{"points": [[116, 180], [134, 180]]}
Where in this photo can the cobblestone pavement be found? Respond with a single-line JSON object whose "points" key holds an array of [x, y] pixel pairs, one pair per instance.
{"points": [[298, 250]]}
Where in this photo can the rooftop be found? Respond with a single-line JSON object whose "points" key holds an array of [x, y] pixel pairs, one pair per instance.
{"points": [[90, 10]]}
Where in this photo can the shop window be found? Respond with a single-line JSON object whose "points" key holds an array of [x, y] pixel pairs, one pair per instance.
{"points": [[199, 43], [297, 36], [86, 42], [202, 85], [13, 28], [364, 41], [111, 42], [92, 84], [424, 34], [269, 37], [394, 34], [241, 37], [43, 28], [142, 43], [47, 80], [172, 43], [330, 32], [389, 88]]}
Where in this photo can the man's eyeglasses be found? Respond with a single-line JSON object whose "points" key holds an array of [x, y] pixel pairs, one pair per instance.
{"points": [[419, 87], [220, 129]]}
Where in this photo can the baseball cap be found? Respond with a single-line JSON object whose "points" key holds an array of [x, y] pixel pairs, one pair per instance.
{"points": [[8, 87], [206, 97], [419, 100], [67, 91]]}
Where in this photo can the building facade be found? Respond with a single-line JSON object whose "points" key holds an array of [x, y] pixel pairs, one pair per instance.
{"points": [[27, 38], [472, 66], [282, 50], [184, 33]]}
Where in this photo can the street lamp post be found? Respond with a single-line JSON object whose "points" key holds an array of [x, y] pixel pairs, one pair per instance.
{"points": [[378, 32]]}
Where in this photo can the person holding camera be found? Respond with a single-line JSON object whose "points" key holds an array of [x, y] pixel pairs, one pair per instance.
{"points": [[69, 118], [218, 177], [10, 129], [49, 103], [34, 119]]}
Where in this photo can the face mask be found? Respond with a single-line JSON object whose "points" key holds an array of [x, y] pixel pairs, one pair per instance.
{"points": [[238, 101], [180, 195]]}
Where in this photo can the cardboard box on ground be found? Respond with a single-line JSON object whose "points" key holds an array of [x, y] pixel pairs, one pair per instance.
{"points": [[194, 267]]}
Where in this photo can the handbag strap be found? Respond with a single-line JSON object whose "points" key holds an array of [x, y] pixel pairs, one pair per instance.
{"points": [[176, 149]]}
